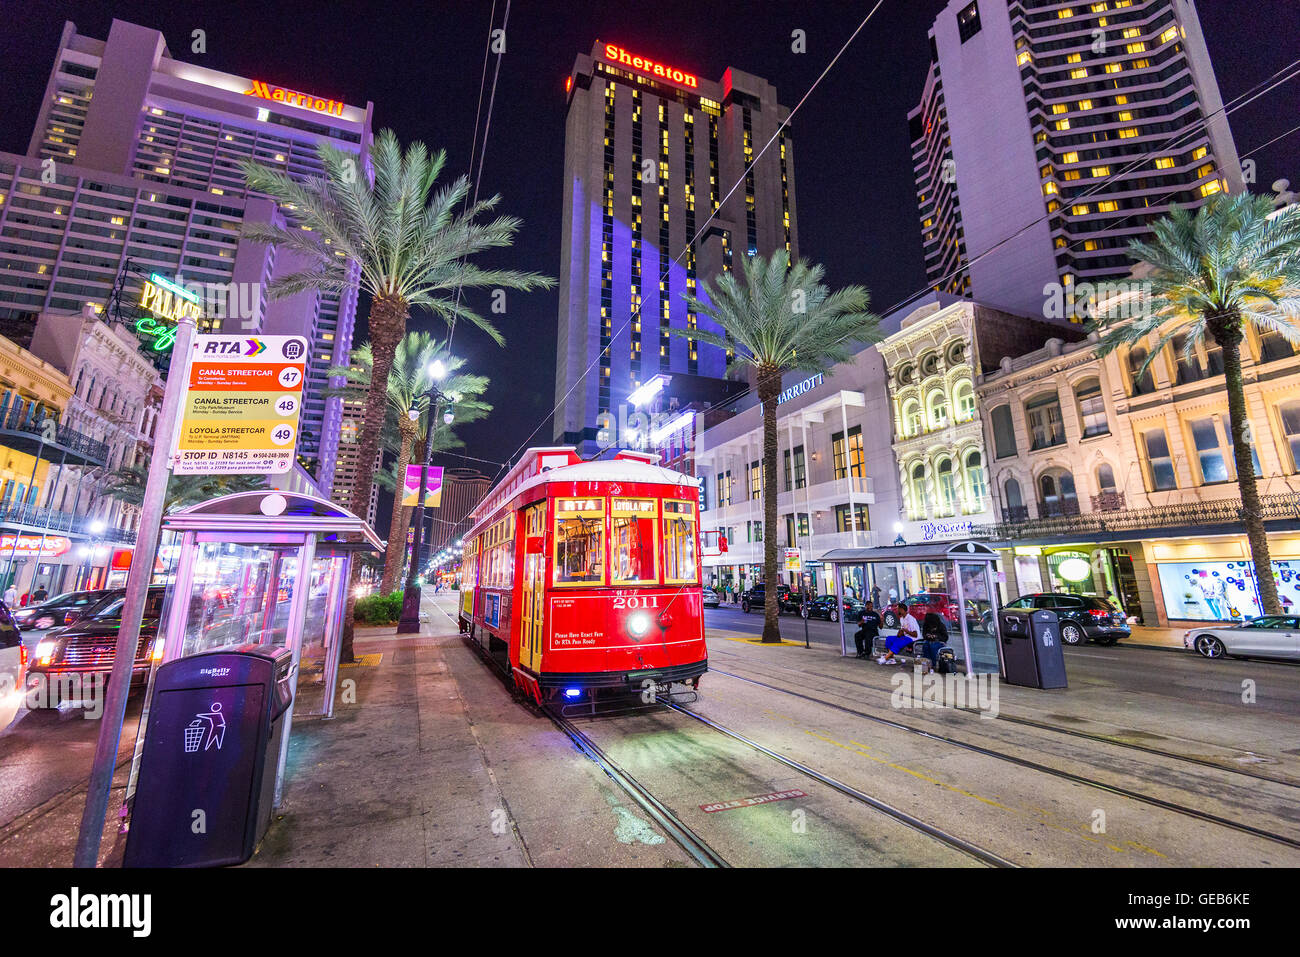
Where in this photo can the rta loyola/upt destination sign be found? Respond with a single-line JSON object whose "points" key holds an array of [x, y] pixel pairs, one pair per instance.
{"points": [[241, 409]]}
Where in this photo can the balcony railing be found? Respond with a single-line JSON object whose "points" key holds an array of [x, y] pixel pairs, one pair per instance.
{"points": [[1108, 502], [1225, 511], [1059, 509], [20, 421], [32, 519]]}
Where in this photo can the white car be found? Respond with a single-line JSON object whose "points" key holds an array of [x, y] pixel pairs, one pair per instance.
{"points": [[1270, 636]]}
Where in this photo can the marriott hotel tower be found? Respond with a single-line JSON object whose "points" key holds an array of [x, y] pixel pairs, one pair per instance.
{"points": [[650, 150]]}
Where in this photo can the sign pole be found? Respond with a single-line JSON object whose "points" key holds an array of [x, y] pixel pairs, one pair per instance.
{"points": [[137, 590]]}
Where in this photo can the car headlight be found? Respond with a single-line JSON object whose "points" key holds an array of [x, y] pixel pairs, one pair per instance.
{"points": [[638, 624], [45, 651]]}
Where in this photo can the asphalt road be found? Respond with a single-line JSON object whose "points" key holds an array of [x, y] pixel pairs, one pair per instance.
{"points": [[1126, 669]]}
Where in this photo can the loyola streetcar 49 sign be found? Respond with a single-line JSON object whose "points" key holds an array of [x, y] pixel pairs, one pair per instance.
{"points": [[241, 410]]}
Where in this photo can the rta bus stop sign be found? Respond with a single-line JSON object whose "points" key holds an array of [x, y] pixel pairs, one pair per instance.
{"points": [[207, 774]]}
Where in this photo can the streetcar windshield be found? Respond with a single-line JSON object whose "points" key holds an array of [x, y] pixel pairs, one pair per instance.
{"points": [[580, 541], [632, 542], [679, 542]]}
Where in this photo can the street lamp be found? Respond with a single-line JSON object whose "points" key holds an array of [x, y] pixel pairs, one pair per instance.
{"points": [[410, 621]]}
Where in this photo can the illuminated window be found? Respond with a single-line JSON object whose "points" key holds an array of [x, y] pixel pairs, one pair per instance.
{"points": [[632, 541], [1085, 104], [1121, 100], [1135, 48], [1053, 206], [1132, 32], [1199, 152], [579, 541], [1062, 124], [1099, 8], [1210, 188], [1128, 133], [680, 564], [1107, 206], [1060, 242], [1114, 67], [1045, 172], [1141, 64], [1169, 34], [1071, 174], [1058, 108], [1070, 158], [1049, 189], [1100, 171], [1074, 58], [1064, 14], [1079, 74], [1023, 58], [1205, 170], [1080, 209], [1090, 244], [1125, 116]]}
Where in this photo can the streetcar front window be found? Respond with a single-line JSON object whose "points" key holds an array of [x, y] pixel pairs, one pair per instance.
{"points": [[680, 565], [632, 542], [579, 541]]}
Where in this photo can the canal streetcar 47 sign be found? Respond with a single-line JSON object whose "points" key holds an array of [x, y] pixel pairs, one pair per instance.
{"points": [[241, 410]]}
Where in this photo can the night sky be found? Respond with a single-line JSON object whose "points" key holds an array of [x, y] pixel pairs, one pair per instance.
{"points": [[420, 63]]}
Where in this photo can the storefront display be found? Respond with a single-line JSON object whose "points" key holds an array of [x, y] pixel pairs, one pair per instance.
{"points": [[1223, 591]]}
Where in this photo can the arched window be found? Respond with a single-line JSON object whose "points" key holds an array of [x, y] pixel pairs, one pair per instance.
{"points": [[976, 487], [963, 400], [1092, 408], [1056, 494], [947, 490], [1289, 413], [1015, 510], [912, 422], [920, 504], [1105, 478], [1142, 383], [937, 409], [1004, 432]]}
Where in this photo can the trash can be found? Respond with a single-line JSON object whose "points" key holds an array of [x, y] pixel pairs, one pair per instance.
{"points": [[1031, 648], [207, 772]]}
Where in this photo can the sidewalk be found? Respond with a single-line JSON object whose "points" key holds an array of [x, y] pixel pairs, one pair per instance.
{"points": [[430, 762]]}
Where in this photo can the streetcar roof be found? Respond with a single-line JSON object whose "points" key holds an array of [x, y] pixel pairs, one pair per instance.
{"points": [[603, 470]]}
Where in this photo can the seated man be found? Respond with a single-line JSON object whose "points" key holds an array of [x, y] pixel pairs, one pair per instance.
{"points": [[908, 632], [868, 629]]}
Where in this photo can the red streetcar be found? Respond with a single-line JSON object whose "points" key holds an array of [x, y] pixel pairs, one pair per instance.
{"points": [[585, 576]]}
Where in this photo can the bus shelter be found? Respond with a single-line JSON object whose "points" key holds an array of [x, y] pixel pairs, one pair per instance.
{"points": [[266, 568], [956, 579]]}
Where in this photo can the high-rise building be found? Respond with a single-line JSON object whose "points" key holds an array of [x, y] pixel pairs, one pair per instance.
{"points": [[650, 152], [133, 169], [462, 490], [1049, 135]]}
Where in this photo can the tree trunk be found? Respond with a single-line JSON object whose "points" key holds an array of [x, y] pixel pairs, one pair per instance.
{"points": [[769, 387], [400, 521], [1227, 333], [387, 326]]}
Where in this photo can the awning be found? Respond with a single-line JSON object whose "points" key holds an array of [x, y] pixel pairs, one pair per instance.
{"points": [[929, 552]]}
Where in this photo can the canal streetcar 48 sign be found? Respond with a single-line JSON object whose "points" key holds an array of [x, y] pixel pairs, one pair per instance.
{"points": [[242, 407]]}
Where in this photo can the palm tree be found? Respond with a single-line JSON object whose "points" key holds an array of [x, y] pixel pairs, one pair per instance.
{"points": [[781, 318], [394, 238], [127, 485], [1232, 264], [408, 391]]}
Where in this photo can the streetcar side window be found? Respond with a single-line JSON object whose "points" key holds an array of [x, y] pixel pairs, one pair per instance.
{"points": [[632, 541], [680, 565], [579, 541]]}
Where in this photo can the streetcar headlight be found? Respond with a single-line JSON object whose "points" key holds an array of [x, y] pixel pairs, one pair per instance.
{"points": [[638, 624]]}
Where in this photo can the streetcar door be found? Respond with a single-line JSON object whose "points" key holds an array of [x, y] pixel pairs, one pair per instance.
{"points": [[530, 642]]}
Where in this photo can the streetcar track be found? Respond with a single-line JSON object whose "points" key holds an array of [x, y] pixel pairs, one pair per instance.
{"points": [[1034, 766], [940, 835], [686, 838], [1073, 732]]}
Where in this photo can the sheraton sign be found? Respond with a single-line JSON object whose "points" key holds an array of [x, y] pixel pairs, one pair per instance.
{"points": [[308, 102], [616, 54]]}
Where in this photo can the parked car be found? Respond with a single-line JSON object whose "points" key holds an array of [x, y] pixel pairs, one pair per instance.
{"points": [[711, 599], [56, 611], [1270, 636], [757, 596], [824, 606], [13, 655], [88, 648], [921, 604], [1083, 617]]}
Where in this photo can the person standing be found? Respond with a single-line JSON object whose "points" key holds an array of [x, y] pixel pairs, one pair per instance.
{"points": [[11, 596], [875, 595], [908, 632], [39, 595], [868, 629]]}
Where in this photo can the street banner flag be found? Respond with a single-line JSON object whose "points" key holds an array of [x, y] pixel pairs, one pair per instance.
{"points": [[432, 487]]}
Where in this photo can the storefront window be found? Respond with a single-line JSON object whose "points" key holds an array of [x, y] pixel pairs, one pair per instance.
{"points": [[679, 542], [579, 541], [1223, 591], [632, 541]]}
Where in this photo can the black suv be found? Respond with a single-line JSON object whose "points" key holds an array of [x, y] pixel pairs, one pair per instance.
{"points": [[756, 596], [1083, 617]]}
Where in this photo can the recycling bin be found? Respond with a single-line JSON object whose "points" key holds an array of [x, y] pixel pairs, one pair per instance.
{"points": [[1031, 648], [207, 772]]}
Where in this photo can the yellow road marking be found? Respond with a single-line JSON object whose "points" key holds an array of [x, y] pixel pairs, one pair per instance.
{"points": [[364, 661]]}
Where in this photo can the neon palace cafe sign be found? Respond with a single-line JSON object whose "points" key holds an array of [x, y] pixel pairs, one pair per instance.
{"points": [[279, 94], [168, 301], [616, 54]]}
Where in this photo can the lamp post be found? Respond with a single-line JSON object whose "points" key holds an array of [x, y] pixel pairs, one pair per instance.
{"points": [[410, 620]]}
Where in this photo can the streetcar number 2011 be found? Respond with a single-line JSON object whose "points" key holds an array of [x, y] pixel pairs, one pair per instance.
{"points": [[637, 601]]}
